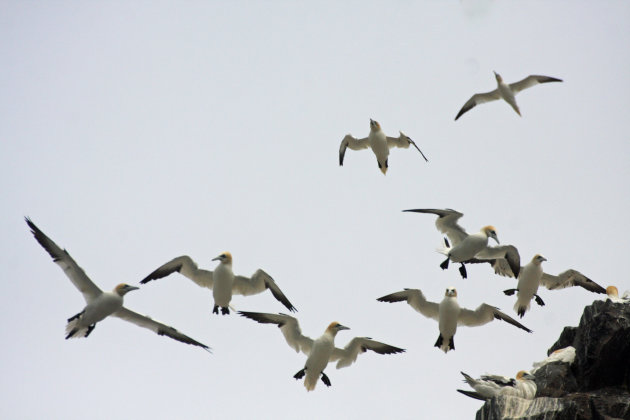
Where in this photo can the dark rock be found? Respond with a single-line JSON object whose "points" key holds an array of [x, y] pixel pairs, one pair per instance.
{"points": [[595, 386]]}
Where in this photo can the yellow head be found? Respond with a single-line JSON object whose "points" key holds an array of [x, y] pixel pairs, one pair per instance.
{"points": [[122, 289], [335, 327], [490, 232], [538, 259], [523, 375], [225, 258], [374, 125], [498, 77], [450, 292], [612, 291]]}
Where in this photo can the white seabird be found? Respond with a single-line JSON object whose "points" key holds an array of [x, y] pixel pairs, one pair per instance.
{"points": [[564, 355], [100, 304], [505, 92], [531, 276], [322, 350], [379, 143], [612, 294], [449, 314], [488, 386], [465, 248], [222, 281]]}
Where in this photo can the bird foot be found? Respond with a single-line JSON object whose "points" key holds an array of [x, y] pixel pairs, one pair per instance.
{"points": [[89, 330], [215, 310], [225, 311], [72, 318], [444, 265], [510, 292], [300, 374], [539, 300], [325, 379], [439, 342], [462, 271]]}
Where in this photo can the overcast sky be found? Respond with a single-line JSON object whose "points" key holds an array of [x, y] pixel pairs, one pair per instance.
{"points": [[135, 132]]}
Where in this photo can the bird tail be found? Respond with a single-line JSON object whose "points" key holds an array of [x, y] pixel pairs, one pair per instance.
{"points": [[521, 308], [72, 328], [472, 394], [468, 379], [310, 380]]}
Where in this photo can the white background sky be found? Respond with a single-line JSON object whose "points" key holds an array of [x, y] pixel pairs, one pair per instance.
{"points": [[134, 132]]}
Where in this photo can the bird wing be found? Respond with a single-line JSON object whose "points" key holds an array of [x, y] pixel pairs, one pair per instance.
{"points": [[348, 355], [415, 298], [499, 380], [258, 283], [570, 278], [157, 327], [502, 267], [509, 253], [353, 143], [186, 267], [530, 81], [403, 141], [478, 98], [446, 223], [61, 257], [484, 314], [288, 325]]}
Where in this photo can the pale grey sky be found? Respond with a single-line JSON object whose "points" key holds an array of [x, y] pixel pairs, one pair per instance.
{"points": [[134, 132]]}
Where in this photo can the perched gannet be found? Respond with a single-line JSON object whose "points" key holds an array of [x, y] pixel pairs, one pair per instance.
{"points": [[531, 276], [565, 355], [469, 248], [100, 304], [321, 351], [449, 314], [222, 281], [488, 386], [378, 142], [505, 92], [612, 294]]}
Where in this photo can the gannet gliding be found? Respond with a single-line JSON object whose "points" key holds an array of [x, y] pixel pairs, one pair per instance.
{"points": [[466, 248], [322, 350], [449, 314], [378, 142], [222, 281], [505, 92], [531, 276], [488, 386], [100, 304]]}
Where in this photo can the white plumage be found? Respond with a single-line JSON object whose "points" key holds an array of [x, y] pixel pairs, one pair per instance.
{"points": [[488, 386]]}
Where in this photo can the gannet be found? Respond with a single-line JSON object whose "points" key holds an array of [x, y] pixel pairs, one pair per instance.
{"points": [[531, 276], [505, 92], [488, 386], [379, 143], [222, 281], [469, 248], [321, 351], [449, 314], [565, 355], [100, 304], [612, 294]]}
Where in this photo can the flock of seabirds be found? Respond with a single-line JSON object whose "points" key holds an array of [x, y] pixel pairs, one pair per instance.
{"points": [[459, 247]]}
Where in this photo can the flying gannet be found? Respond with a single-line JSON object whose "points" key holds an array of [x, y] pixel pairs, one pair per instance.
{"points": [[449, 314], [321, 351], [488, 386], [612, 294], [100, 304], [531, 276], [505, 92], [379, 143], [465, 248], [222, 281]]}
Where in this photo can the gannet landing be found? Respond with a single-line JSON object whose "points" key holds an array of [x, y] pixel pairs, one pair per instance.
{"points": [[379, 143], [532, 276], [449, 314], [612, 294], [488, 386], [222, 281], [321, 351], [505, 92], [465, 248], [100, 304]]}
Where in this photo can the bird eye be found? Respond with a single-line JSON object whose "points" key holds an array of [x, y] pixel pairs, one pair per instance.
{"points": [[222, 255]]}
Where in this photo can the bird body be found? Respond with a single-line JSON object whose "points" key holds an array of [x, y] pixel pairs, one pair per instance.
{"points": [[471, 245], [222, 281], [528, 282], [379, 143], [321, 351], [99, 304], [505, 91], [489, 386], [449, 314]]}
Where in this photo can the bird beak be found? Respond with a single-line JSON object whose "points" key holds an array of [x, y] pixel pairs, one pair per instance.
{"points": [[496, 239], [130, 288], [216, 259], [544, 259], [342, 327], [495, 73]]}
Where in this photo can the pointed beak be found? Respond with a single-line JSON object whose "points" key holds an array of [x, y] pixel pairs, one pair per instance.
{"points": [[216, 259], [342, 327], [543, 258], [495, 73], [130, 288], [496, 238]]}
